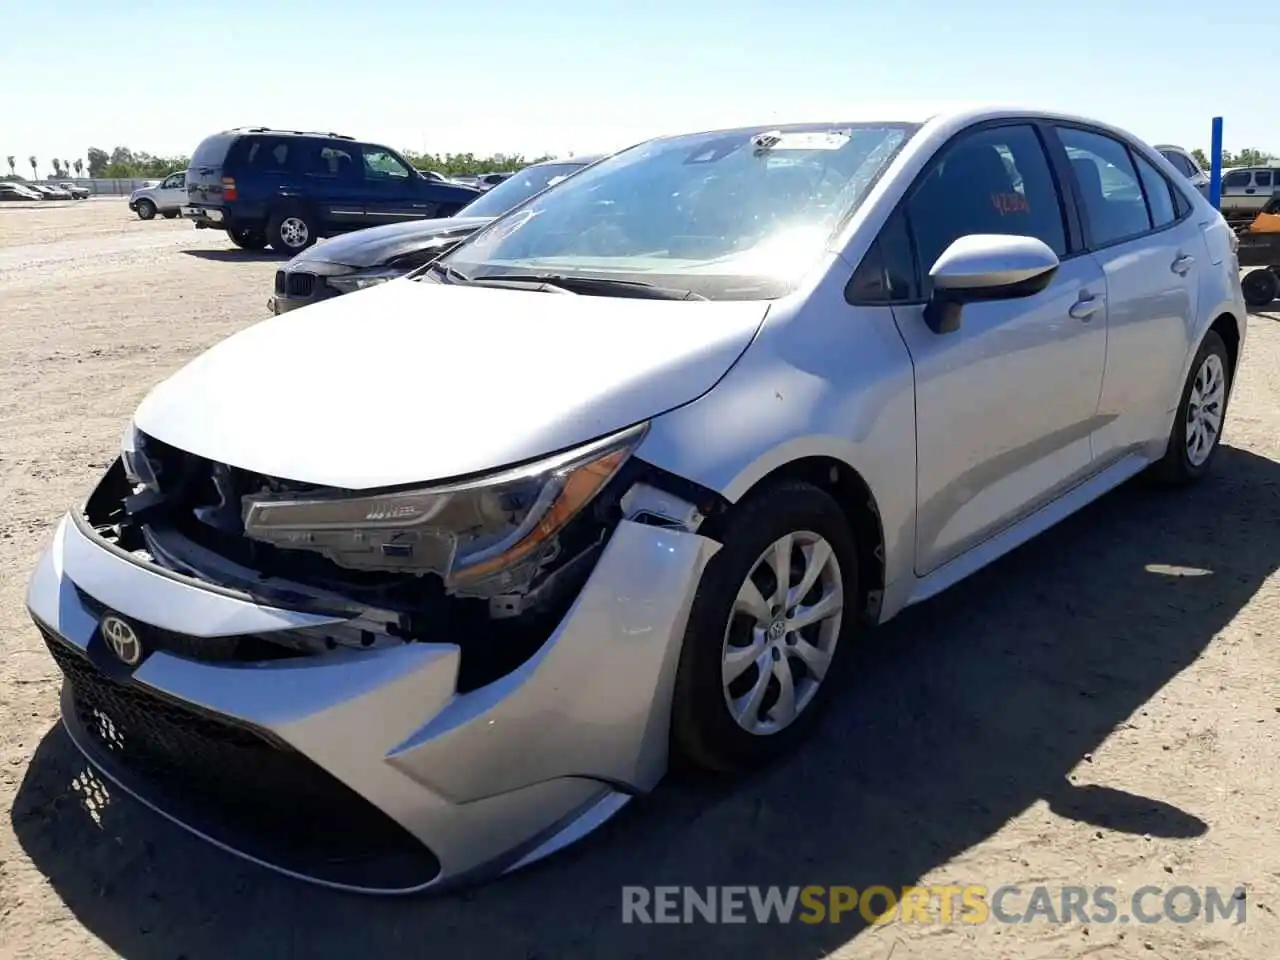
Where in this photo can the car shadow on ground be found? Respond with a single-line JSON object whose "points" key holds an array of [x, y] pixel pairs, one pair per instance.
{"points": [[236, 255], [962, 714]]}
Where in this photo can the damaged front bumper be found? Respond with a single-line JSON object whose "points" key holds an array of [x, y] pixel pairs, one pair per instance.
{"points": [[369, 769]]}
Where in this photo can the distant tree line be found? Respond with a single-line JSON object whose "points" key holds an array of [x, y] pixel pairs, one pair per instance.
{"points": [[123, 163], [126, 164], [1248, 157]]}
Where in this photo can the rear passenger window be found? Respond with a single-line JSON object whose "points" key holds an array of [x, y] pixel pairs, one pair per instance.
{"points": [[991, 181], [1262, 178], [1108, 186], [267, 154], [1159, 193]]}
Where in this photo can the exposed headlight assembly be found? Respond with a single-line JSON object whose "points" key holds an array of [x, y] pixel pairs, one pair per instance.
{"points": [[348, 283], [480, 536]]}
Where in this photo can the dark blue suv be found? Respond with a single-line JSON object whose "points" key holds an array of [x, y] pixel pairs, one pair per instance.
{"points": [[288, 189]]}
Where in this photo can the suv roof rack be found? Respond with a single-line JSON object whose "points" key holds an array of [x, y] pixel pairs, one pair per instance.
{"points": [[300, 133]]}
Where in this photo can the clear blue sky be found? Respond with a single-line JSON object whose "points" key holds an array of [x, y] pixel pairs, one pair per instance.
{"points": [[568, 75]]}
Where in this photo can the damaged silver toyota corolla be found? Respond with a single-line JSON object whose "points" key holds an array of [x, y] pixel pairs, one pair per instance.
{"points": [[422, 583]]}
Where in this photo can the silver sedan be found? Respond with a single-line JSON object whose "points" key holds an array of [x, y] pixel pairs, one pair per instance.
{"points": [[422, 583]]}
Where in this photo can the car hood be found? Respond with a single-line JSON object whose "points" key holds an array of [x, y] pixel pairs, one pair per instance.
{"points": [[377, 245], [414, 381]]}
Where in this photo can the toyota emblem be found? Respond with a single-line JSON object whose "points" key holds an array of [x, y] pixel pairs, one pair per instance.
{"points": [[122, 639]]}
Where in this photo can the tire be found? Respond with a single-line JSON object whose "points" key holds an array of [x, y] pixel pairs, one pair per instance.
{"points": [[246, 238], [1210, 374], [291, 230], [704, 730], [146, 210], [1260, 287], [169, 214]]}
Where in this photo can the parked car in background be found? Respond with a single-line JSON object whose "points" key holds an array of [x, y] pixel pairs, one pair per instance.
{"points": [[1246, 190], [487, 181], [1185, 163], [288, 189], [165, 198], [50, 192], [77, 192], [12, 190], [369, 257], [427, 582]]}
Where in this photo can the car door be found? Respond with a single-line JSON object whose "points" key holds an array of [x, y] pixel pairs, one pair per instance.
{"points": [[1006, 403], [172, 192], [1150, 247], [1237, 191], [332, 183], [394, 190]]}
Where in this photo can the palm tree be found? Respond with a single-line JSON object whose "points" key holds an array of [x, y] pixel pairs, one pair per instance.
{"points": [[35, 174], [79, 165], [11, 160]]}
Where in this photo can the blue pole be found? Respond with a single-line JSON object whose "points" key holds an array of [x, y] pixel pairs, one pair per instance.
{"points": [[1215, 165]]}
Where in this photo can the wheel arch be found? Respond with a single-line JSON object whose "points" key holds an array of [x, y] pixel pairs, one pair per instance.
{"points": [[1230, 330], [857, 501]]}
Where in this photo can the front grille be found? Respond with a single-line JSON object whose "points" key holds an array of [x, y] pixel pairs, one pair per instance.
{"points": [[278, 805], [300, 285], [240, 649]]}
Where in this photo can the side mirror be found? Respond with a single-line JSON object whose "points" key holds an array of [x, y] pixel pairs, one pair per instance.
{"points": [[981, 267]]}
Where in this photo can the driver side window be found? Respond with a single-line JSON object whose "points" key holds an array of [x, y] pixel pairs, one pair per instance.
{"points": [[995, 181]]}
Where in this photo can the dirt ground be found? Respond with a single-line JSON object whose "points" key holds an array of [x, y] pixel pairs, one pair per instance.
{"points": [[1101, 707]]}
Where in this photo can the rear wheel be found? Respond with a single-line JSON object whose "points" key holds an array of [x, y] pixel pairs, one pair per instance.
{"points": [[1197, 427], [146, 210], [247, 238], [1260, 287], [290, 231], [772, 618]]}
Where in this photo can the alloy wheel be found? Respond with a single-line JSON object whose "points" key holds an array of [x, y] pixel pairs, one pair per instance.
{"points": [[782, 632], [294, 232], [1205, 408]]}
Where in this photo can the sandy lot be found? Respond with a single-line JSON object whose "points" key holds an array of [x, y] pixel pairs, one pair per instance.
{"points": [[1100, 708]]}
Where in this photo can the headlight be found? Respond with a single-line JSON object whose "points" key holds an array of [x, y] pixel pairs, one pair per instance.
{"points": [[497, 530], [358, 281]]}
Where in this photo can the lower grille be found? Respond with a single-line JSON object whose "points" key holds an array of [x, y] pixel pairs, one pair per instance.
{"points": [[237, 784]]}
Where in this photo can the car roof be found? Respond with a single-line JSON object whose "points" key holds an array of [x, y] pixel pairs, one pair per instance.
{"points": [[950, 114], [272, 131]]}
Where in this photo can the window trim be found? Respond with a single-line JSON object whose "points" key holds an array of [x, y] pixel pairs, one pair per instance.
{"points": [[1131, 150], [1072, 228]]}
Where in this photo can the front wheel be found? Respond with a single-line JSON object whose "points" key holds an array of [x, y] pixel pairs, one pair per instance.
{"points": [[1197, 427], [146, 210], [248, 239], [291, 231], [771, 620]]}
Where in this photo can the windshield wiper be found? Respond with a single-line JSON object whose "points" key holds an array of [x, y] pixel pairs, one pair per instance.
{"points": [[597, 286], [448, 272]]}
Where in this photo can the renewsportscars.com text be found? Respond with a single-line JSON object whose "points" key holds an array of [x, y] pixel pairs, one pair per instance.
{"points": [[932, 904]]}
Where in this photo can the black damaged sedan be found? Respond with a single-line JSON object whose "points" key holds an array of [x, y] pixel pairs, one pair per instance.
{"points": [[364, 258]]}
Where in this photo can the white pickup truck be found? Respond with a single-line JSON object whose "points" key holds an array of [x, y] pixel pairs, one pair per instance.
{"points": [[165, 198]]}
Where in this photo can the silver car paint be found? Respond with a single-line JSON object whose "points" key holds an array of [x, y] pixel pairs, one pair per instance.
{"points": [[475, 776], [1023, 415]]}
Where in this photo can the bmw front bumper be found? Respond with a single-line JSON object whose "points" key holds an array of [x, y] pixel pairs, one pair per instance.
{"points": [[368, 770]]}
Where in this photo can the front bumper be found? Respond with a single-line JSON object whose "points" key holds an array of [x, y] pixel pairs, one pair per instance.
{"points": [[396, 781], [298, 288]]}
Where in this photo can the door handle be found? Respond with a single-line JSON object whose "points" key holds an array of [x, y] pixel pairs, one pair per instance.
{"points": [[1086, 306], [1182, 264]]}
